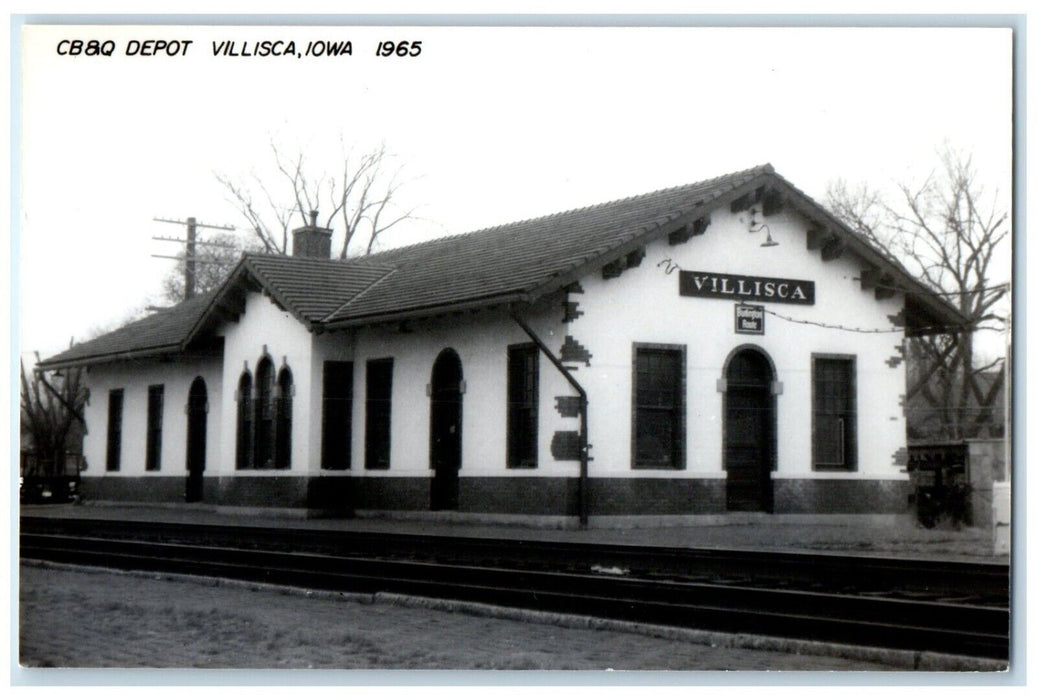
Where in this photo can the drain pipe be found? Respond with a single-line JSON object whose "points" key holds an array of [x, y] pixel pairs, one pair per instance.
{"points": [[584, 447]]}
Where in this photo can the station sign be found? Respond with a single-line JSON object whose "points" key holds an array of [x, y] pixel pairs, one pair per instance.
{"points": [[720, 285], [749, 319]]}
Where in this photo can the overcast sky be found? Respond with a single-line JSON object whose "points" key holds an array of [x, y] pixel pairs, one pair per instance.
{"points": [[490, 124]]}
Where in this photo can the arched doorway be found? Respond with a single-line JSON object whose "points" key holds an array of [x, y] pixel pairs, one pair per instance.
{"points": [[197, 410], [749, 431], [445, 430]]}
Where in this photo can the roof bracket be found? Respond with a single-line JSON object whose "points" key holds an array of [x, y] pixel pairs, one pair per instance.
{"points": [[742, 203], [885, 289], [681, 235], [832, 248], [773, 202], [685, 233], [816, 237], [869, 279], [614, 269]]}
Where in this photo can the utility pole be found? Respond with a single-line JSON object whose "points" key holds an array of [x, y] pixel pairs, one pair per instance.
{"points": [[190, 257]]}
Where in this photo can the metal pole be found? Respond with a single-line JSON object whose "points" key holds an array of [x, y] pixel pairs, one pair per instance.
{"points": [[58, 395], [189, 266], [584, 447]]}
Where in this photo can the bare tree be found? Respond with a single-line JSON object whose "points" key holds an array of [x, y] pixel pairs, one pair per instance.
{"points": [[949, 233], [362, 194], [51, 417], [216, 255]]}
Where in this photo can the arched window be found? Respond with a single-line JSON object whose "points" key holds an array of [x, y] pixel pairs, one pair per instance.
{"points": [[244, 452], [263, 443], [283, 449]]}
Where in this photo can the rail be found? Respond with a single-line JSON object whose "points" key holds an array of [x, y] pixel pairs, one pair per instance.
{"points": [[852, 600]]}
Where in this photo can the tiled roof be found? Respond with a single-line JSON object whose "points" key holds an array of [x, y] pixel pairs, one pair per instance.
{"points": [[515, 260], [162, 331], [521, 261], [313, 288], [309, 288]]}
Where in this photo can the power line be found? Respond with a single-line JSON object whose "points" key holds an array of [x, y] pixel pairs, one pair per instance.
{"points": [[190, 221], [206, 244], [837, 327], [190, 258], [196, 259]]}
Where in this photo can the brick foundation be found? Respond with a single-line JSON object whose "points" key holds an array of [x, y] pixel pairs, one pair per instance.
{"points": [[840, 496], [532, 495]]}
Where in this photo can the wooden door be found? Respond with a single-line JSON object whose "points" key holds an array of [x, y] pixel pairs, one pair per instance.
{"points": [[445, 438], [749, 432], [197, 411]]}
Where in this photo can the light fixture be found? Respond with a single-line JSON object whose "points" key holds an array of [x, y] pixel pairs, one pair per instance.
{"points": [[755, 228]]}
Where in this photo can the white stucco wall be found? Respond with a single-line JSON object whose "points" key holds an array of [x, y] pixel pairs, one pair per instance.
{"points": [[481, 342], [264, 329], [134, 378], [644, 305]]}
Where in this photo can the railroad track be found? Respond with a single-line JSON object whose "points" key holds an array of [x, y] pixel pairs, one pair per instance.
{"points": [[948, 607]]}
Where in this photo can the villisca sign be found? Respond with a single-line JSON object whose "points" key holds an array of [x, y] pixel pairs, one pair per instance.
{"points": [[717, 285]]}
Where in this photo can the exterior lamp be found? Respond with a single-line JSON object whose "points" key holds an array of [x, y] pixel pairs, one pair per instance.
{"points": [[755, 227]]}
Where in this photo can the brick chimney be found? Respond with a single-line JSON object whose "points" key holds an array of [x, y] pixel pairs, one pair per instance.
{"points": [[311, 241]]}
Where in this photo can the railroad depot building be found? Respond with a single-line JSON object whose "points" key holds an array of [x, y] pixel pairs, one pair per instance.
{"points": [[695, 350]]}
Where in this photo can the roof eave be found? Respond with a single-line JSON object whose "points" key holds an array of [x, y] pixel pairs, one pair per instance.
{"points": [[204, 317], [279, 298], [641, 239], [238, 276], [936, 307], [106, 358], [425, 313]]}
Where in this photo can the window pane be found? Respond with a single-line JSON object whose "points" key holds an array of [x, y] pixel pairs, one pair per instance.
{"points": [[263, 422], [377, 435], [283, 427], [114, 456], [337, 428], [659, 408], [244, 453], [153, 460], [523, 397], [834, 413], [656, 437]]}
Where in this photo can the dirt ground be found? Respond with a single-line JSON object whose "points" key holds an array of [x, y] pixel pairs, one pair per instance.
{"points": [[90, 618]]}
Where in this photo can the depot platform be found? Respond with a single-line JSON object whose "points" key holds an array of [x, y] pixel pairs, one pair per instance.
{"points": [[890, 536]]}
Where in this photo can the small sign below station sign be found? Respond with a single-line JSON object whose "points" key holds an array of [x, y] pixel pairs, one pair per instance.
{"points": [[749, 319]]}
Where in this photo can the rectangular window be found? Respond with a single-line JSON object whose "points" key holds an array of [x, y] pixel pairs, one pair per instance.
{"points": [[658, 425], [153, 459], [523, 397], [244, 398], [379, 414], [114, 456], [835, 413], [337, 427]]}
